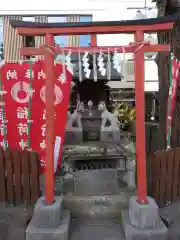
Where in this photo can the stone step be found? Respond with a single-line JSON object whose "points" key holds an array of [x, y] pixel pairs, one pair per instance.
{"points": [[97, 206], [96, 229], [97, 233], [99, 221]]}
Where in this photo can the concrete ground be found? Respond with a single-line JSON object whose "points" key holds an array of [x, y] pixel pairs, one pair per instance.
{"points": [[13, 222], [171, 214]]}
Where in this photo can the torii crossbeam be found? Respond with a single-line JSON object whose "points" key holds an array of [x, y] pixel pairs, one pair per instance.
{"points": [[136, 27]]}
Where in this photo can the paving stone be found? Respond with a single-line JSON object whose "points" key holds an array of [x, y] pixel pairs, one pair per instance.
{"points": [[13, 222], [4, 230], [174, 230]]}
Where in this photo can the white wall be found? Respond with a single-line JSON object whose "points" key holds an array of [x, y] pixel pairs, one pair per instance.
{"points": [[69, 6], [54, 6]]}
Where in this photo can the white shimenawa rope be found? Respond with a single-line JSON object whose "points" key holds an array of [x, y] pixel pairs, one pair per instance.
{"points": [[94, 67], [123, 69], [80, 67], [109, 66]]}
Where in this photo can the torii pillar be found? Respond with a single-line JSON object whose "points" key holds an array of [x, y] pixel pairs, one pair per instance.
{"points": [[138, 28]]}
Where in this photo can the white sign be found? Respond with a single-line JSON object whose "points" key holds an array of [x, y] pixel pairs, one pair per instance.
{"points": [[56, 152]]}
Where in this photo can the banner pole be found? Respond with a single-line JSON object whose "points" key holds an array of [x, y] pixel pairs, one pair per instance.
{"points": [[3, 113], [50, 128], [30, 105]]}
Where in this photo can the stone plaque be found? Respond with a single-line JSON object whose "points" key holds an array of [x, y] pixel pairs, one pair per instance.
{"points": [[91, 129], [91, 135]]}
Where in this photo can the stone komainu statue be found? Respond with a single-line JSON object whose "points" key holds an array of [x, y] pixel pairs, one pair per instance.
{"points": [[74, 119], [74, 130], [110, 124]]}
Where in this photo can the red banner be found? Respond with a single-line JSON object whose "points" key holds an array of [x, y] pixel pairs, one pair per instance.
{"points": [[171, 100], [175, 75], [38, 130], [15, 83], [25, 115]]}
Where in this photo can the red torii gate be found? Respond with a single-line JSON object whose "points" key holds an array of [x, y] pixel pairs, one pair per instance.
{"points": [[136, 27]]}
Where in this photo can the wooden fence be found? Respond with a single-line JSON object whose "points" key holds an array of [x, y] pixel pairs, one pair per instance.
{"points": [[151, 137], [19, 177], [165, 169]]}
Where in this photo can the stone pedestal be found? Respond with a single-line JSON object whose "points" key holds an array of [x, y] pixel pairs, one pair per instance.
{"points": [[73, 136], [129, 176], [48, 222], [143, 221], [110, 135]]}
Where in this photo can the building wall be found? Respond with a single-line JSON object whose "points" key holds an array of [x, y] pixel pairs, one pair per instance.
{"points": [[73, 40], [13, 42], [40, 39]]}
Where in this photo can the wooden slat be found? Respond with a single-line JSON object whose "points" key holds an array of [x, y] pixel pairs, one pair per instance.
{"points": [[148, 140], [154, 139], [166, 176], [169, 175], [26, 178], [156, 166], [176, 175], [34, 179], [150, 174], [162, 176], [9, 182], [178, 188], [17, 177], [2, 177]]}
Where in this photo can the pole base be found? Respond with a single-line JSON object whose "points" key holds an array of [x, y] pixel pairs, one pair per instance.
{"points": [[48, 216], [33, 232], [143, 215], [143, 221]]}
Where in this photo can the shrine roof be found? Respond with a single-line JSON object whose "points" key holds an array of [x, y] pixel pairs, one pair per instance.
{"points": [[150, 21]]}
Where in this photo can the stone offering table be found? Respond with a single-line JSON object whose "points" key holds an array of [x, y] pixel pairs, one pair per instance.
{"points": [[104, 155]]}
